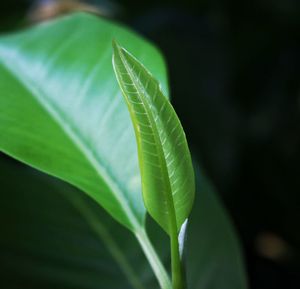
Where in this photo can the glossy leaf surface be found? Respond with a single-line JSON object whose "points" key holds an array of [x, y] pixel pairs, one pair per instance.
{"points": [[61, 110], [165, 162]]}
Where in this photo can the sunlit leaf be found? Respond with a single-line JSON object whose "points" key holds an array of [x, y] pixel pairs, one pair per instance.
{"points": [[61, 110], [165, 162]]}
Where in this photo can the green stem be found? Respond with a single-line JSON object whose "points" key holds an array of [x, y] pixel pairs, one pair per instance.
{"points": [[177, 272], [155, 263]]}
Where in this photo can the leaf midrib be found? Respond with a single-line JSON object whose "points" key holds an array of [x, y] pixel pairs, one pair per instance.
{"points": [[101, 171]]}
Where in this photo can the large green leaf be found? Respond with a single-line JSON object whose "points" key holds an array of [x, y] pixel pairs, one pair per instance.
{"points": [[45, 243], [164, 158], [61, 110]]}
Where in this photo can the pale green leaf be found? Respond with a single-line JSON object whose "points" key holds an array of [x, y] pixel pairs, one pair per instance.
{"points": [[61, 110], [164, 158]]}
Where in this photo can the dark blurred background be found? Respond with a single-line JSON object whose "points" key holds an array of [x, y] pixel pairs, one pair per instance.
{"points": [[234, 69]]}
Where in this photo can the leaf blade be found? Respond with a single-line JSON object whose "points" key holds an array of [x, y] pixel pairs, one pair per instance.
{"points": [[50, 242], [55, 113], [43, 225], [164, 157]]}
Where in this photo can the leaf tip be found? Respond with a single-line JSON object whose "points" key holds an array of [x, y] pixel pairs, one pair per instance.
{"points": [[116, 46]]}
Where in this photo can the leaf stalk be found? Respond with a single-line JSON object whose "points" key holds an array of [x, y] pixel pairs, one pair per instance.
{"points": [[155, 263], [177, 270]]}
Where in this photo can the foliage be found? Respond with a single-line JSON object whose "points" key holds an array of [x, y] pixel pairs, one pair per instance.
{"points": [[61, 112]]}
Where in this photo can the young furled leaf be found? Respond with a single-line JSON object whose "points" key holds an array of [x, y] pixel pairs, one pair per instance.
{"points": [[166, 168]]}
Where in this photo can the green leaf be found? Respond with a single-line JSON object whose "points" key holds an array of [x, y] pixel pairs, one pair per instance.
{"points": [[61, 110], [164, 158], [56, 83], [213, 254], [45, 243]]}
